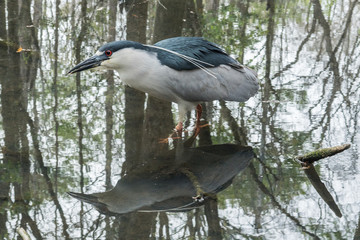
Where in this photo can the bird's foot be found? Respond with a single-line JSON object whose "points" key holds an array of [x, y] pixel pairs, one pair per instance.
{"points": [[204, 125], [202, 196], [199, 198], [179, 128], [198, 127], [166, 140], [176, 134]]}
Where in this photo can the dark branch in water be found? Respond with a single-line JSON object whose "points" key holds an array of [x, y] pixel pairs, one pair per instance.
{"points": [[320, 187], [311, 157]]}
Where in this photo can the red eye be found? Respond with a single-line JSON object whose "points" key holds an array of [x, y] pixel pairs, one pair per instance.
{"points": [[108, 53]]}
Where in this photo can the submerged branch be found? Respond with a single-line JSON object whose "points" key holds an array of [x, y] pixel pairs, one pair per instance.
{"points": [[320, 187]]}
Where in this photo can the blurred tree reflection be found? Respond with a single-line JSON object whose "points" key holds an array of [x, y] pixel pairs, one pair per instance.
{"points": [[15, 169], [134, 120], [134, 99], [81, 132]]}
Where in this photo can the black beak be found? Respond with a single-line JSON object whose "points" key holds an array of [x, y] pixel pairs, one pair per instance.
{"points": [[89, 63]]}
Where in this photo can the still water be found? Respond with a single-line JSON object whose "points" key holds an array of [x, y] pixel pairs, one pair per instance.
{"points": [[65, 137]]}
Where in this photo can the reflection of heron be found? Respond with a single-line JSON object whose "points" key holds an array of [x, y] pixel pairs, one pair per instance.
{"points": [[161, 186], [185, 70]]}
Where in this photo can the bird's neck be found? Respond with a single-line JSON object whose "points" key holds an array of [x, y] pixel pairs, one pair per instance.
{"points": [[143, 71]]}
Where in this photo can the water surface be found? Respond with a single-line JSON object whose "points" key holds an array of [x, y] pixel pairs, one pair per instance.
{"points": [[87, 133]]}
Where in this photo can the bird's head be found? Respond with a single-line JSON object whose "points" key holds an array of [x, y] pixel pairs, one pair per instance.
{"points": [[108, 57]]}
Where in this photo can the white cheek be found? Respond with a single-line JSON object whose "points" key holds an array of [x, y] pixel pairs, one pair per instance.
{"points": [[109, 64], [100, 68]]}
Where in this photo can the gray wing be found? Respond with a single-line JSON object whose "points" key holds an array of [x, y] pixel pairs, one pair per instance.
{"points": [[204, 53], [224, 83]]}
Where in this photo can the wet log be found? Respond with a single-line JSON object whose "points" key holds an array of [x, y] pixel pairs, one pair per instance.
{"points": [[316, 155]]}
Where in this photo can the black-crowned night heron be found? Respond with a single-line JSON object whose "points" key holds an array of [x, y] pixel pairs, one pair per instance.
{"points": [[184, 70]]}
